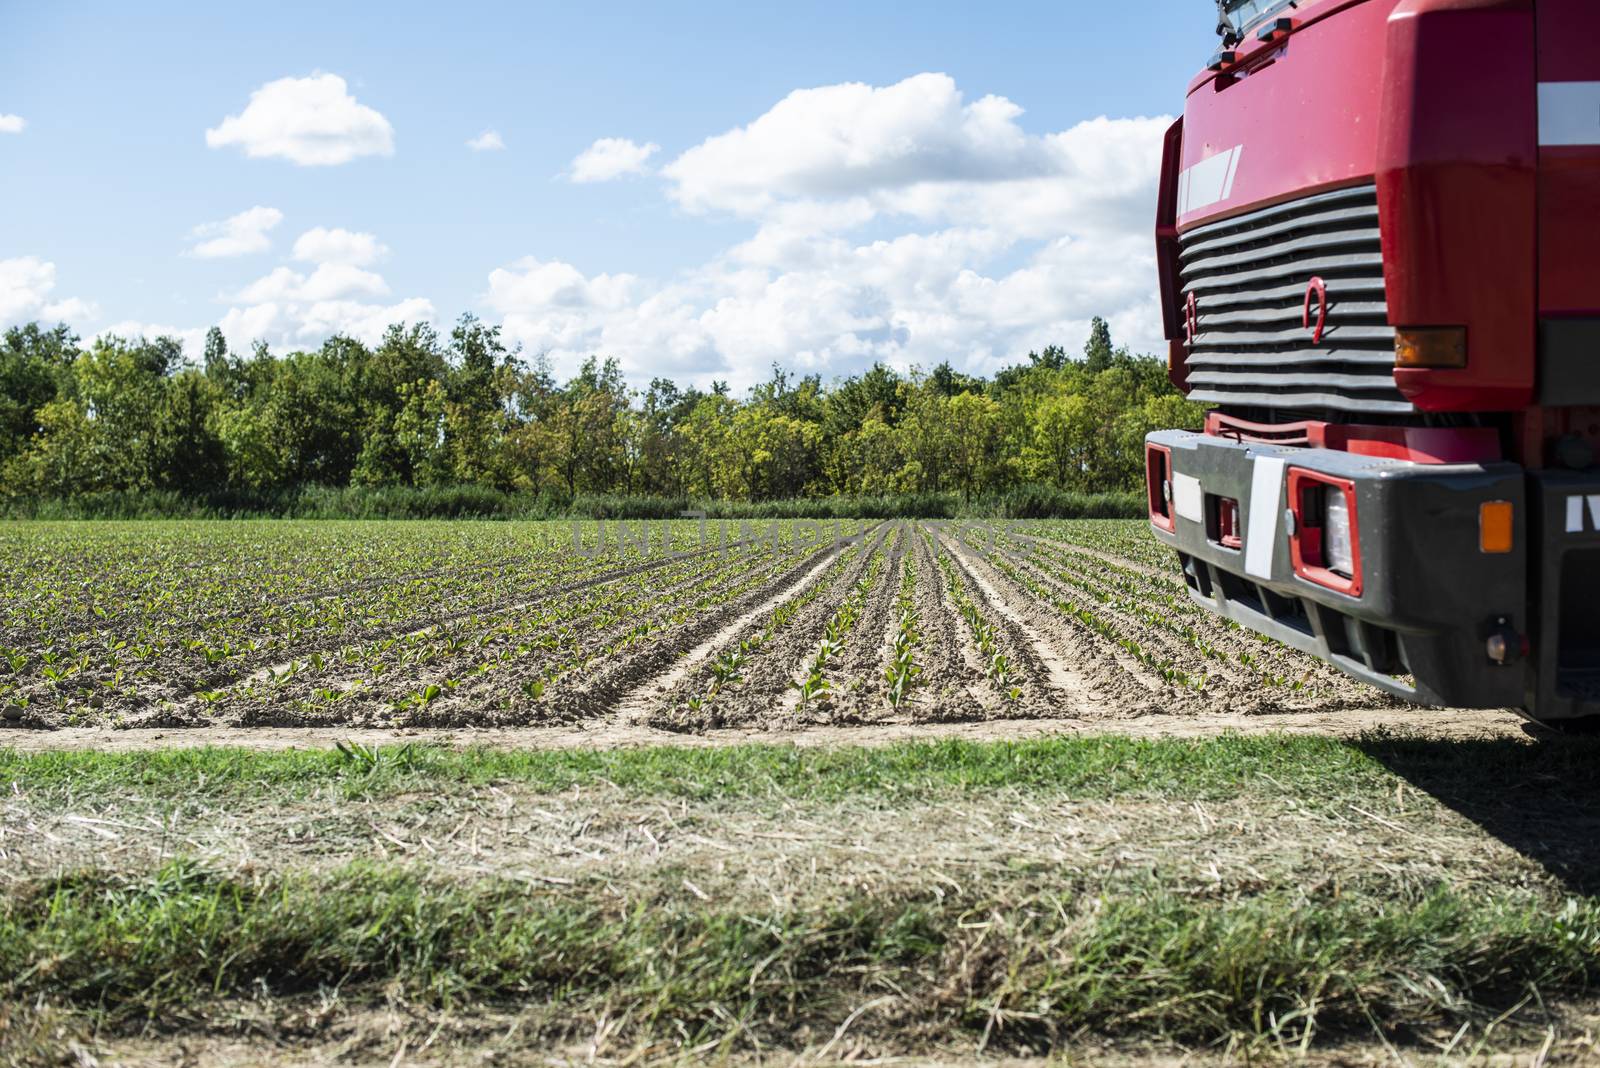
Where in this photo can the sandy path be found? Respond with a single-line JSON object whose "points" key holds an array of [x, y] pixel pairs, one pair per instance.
{"points": [[1434, 723]]}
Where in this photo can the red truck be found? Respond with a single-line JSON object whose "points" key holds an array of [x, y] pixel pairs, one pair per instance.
{"points": [[1378, 238]]}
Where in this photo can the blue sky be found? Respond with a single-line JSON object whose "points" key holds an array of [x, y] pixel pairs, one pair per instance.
{"points": [[938, 189]]}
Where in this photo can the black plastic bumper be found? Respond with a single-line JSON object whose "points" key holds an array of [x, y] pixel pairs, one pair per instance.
{"points": [[1430, 599]]}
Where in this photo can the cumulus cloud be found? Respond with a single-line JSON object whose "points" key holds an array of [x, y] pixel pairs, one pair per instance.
{"points": [[321, 245], [14, 124], [330, 281], [290, 308], [311, 121], [611, 157], [488, 141], [237, 235], [193, 339], [26, 283], [298, 324], [916, 299], [920, 150], [984, 240]]}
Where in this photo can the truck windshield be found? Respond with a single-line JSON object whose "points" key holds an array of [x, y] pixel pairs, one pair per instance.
{"points": [[1235, 17]]}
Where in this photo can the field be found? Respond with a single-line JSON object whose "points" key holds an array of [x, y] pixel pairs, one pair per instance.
{"points": [[674, 626], [434, 793]]}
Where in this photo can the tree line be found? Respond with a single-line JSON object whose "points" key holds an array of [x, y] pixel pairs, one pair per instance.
{"points": [[424, 410]]}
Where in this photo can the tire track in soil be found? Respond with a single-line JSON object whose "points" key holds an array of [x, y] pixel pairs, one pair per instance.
{"points": [[770, 669], [1119, 687], [1050, 685]]}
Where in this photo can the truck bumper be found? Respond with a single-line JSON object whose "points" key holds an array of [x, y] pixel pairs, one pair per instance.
{"points": [[1417, 618]]}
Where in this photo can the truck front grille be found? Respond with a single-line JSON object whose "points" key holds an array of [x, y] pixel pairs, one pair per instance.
{"points": [[1249, 278]]}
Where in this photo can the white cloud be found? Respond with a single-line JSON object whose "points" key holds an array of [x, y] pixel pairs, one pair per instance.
{"points": [[321, 245], [311, 121], [488, 141], [193, 339], [238, 235], [914, 299], [299, 325], [611, 157], [987, 240], [13, 124], [843, 140], [290, 309], [330, 281], [26, 283], [70, 310], [918, 150]]}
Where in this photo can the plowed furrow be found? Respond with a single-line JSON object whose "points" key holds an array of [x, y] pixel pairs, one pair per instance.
{"points": [[1269, 674], [757, 696]]}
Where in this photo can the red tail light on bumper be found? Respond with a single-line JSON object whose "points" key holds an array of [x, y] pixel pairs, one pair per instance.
{"points": [[1158, 485]]}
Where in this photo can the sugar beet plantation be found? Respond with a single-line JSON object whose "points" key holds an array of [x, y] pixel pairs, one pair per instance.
{"points": [[675, 626]]}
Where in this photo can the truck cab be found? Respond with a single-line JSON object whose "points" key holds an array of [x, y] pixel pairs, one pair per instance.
{"points": [[1378, 239]]}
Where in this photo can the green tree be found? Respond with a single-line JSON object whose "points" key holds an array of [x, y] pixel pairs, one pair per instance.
{"points": [[1097, 351], [33, 364]]}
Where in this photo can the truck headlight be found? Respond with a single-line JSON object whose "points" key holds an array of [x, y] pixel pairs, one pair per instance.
{"points": [[1338, 546], [1325, 532]]}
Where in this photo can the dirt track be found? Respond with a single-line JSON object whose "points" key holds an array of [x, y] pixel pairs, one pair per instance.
{"points": [[1431, 723]]}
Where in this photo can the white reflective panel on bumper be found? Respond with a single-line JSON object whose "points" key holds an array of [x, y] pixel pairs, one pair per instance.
{"points": [[1187, 498], [1266, 507]]}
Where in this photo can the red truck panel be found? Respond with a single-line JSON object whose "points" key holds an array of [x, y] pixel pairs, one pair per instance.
{"points": [[1457, 187], [1569, 157], [1303, 117], [1437, 101]]}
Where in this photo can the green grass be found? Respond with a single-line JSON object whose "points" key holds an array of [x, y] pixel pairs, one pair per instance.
{"points": [[1092, 767], [1047, 964]]}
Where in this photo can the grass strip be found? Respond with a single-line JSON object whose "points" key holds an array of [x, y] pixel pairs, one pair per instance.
{"points": [[1031, 970], [1097, 767]]}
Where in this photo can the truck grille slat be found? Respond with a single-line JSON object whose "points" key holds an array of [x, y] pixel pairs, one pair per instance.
{"points": [[1380, 338], [1299, 401], [1316, 356], [1276, 379], [1299, 267], [1341, 218], [1359, 196], [1350, 311], [1249, 277], [1205, 266]]}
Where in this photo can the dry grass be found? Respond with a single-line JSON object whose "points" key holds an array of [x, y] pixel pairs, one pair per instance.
{"points": [[1248, 894]]}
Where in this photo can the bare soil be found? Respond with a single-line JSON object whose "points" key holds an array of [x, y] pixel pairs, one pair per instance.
{"points": [[615, 732]]}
